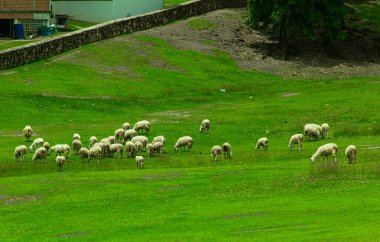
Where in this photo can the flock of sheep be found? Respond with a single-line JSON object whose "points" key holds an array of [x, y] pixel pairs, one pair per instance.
{"points": [[129, 140]]}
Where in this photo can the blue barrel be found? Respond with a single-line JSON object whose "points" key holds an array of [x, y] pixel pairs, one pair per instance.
{"points": [[19, 31]]}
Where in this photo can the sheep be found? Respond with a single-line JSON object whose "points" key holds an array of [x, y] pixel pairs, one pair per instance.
{"points": [[94, 152], [149, 149], [28, 132], [116, 148], [184, 141], [119, 135], [106, 146], [262, 142], [36, 143], [129, 134], [77, 145], [140, 161], [142, 139], [40, 154], [295, 139], [216, 150], [126, 126], [58, 149], [66, 150], [76, 136], [20, 152], [139, 146], [205, 126], [158, 147], [142, 125], [102, 147], [130, 149], [325, 150], [325, 130], [46, 145], [227, 151], [111, 139], [93, 140], [83, 153], [313, 131], [60, 160], [159, 138], [350, 153]]}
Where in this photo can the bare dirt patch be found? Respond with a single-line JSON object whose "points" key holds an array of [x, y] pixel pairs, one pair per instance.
{"points": [[16, 199]]}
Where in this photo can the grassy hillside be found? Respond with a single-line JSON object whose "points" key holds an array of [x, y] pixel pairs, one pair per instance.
{"points": [[186, 196]]}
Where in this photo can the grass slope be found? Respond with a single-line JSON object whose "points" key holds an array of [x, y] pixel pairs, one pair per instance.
{"points": [[185, 196]]}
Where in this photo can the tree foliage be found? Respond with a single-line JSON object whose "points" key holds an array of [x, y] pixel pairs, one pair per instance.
{"points": [[318, 20]]}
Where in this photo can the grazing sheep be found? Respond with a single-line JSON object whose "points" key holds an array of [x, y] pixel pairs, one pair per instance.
{"points": [[129, 134], [216, 150], [126, 126], [227, 151], [36, 143], [130, 149], [142, 125], [159, 138], [205, 126], [313, 131], [325, 150], [46, 145], [119, 135], [183, 142], [106, 146], [95, 152], [158, 147], [140, 161], [66, 150], [60, 160], [20, 152], [116, 148], [262, 142], [93, 140], [28, 132], [58, 149], [102, 147], [83, 153], [138, 146], [111, 139], [350, 153], [77, 145], [295, 139], [142, 139], [325, 130], [40, 154], [76, 136], [149, 149]]}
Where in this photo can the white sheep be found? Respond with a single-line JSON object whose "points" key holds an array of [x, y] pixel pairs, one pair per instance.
{"points": [[262, 142], [325, 130], [142, 125], [216, 150], [93, 140], [76, 136], [102, 147], [119, 135], [227, 151], [350, 153], [159, 138], [183, 142], [77, 145], [140, 161], [20, 153], [60, 160], [325, 150], [28, 132], [94, 152], [149, 149], [83, 153], [58, 149], [116, 148], [158, 147], [36, 143], [295, 139], [313, 131], [106, 147], [138, 147], [66, 150], [205, 126], [111, 139], [40, 154], [129, 134], [46, 145], [142, 139], [130, 149], [126, 126]]}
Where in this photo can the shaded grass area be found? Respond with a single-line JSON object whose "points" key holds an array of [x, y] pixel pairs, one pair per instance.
{"points": [[7, 44], [172, 3], [369, 12]]}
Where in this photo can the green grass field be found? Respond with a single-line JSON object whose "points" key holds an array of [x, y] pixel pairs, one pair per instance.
{"points": [[186, 196]]}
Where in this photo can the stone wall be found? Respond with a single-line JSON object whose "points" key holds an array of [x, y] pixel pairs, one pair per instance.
{"points": [[54, 46]]}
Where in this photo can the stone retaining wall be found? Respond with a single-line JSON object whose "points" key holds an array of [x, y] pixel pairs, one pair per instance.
{"points": [[43, 49]]}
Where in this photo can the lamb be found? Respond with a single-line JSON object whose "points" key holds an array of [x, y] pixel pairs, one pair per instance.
{"points": [[46, 145], [28, 132], [116, 148], [142, 125], [130, 149], [183, 142], [325, 150], [83, 153], [126, 126], [313, 131], [77, 145], [140, 161], [325, 130], [60, 160], [40, 154], [350, 153], [262, 142], [129, 134], [93, 140], [295, 139], [119, 135], [36, 143], [149, 149], [142, 139], [205, 126], [20, 152], [76, 136], [216, 150], [227, 151], [94, 152], [159, 138]]}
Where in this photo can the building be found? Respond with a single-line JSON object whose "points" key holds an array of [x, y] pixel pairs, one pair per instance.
{"points": [[31, 13], [99, 11]]}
